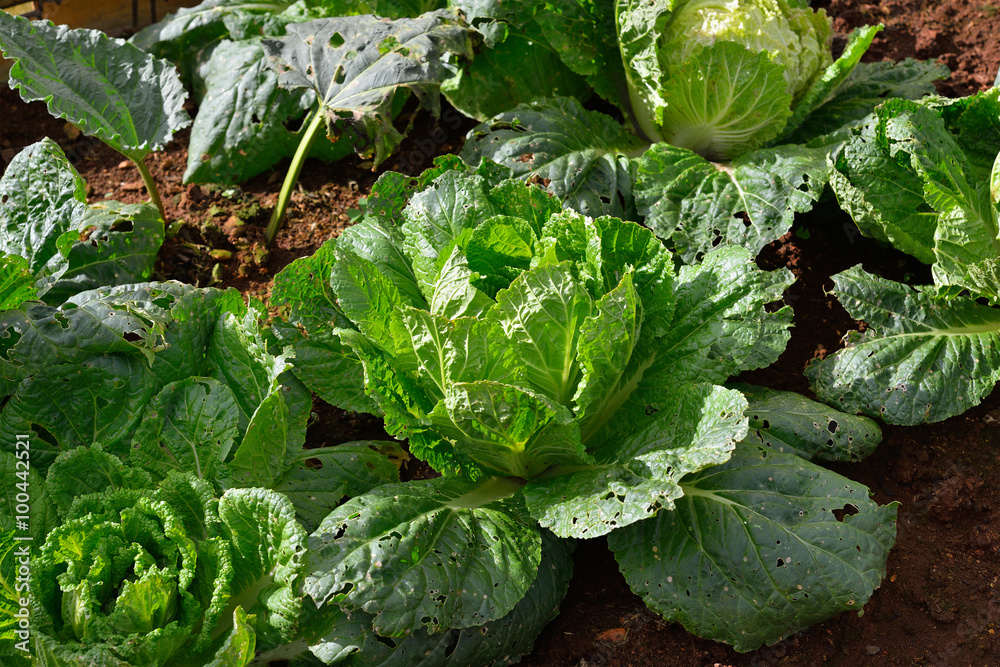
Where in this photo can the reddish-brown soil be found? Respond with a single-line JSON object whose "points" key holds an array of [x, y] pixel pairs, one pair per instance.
{"points": [[940, 603]]}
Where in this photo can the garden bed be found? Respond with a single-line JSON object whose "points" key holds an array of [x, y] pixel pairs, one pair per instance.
{"points": [[940, 602]]}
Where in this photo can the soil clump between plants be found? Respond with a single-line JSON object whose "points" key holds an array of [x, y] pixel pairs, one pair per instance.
{"points": [[940, 601]]}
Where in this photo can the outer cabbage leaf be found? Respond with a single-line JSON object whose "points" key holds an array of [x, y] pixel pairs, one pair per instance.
{"points": [[699, 428], [106, 87], [722, 323], [929, 148], [42, 511], [867, 86], [70, 246], [98, 401], [519, 66], [322, 362], [319, 479], [750, 201], [583, 157], [755, 549], [923, 358], [240, 130], [35, 337], [791, 423], [499, 642], [440, 553], [269, 552], [354, 83], [190, 426]]}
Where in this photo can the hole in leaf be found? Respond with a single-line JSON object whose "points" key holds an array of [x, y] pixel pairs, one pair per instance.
{"points": [[846, 510]]}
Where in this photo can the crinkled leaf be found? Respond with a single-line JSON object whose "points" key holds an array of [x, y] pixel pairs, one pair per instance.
{"points": [[882, 193], [95, 402], [41, 511], [70, 246], [435, 553], [367, 297], [499, 642], [826, 86], [607, 340], [241, 127], [269, 551], [89, 470], [108, 88], [791, 423], [356, 64], [455, 295], [40, 193], [699, 428], [437, 218], [542, 312], [239, 359], [392, 190], [383, 247], [17, 285], [508, 429], [722, 325], [190, 426], [756, 549], [320, 478], [750, 201], [923, 358], [462, 350], [867, 86], [583, 157]]}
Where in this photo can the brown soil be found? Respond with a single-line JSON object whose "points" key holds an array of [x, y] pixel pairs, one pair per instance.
{"points": [[940, 604]]}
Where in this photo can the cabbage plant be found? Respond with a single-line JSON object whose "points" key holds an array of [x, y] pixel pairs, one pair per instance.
{"points": [[924, 177], [108, 88], [564, 377], [731, 110], [720, 78]]}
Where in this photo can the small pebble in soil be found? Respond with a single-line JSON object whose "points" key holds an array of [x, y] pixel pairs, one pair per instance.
{"points": [[873, 650]]}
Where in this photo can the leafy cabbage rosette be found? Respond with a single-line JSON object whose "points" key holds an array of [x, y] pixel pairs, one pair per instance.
{"points": [[732, 107], [925, 177], [164, 574], [564, 378]]}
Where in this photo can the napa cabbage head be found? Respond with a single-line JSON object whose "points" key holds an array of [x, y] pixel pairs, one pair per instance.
{"points": [[720, 78]]}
